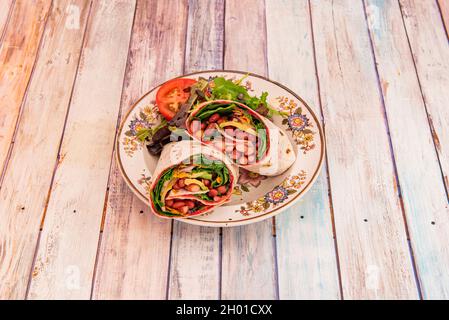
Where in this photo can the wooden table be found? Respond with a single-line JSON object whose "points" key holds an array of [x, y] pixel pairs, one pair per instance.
{"points": [[375, 225]]}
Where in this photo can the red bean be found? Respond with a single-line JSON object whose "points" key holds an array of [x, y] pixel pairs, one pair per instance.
{"points": [[178, 204], [212, 193], [222, 189], [184, 209], [221, 120], [211, 126], [240, 146], [243, 160], [214, 118], [190, 204], [206, 182], [229, 148], [217, 198], [169, 202], [250, 149], [176, 186], [181, 183], [229, 132], [240, 135], [203, 125], [193, 188]]}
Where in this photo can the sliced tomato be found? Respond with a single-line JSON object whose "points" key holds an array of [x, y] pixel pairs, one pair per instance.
{"points": [[171, 95]]}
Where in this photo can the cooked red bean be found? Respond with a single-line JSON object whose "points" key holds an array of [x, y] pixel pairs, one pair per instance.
{"points": [[193, 188], [214, 118], [243, 160], [176, 186], [240, 146], [229, 148], [250, 149], [222, 189], [184, 209], [169, 202], [229, 131], [217, 198], [190, 204], [221, 120], [206, 182], [212, 193], [181, 183], [178, 204], [203, 125]]}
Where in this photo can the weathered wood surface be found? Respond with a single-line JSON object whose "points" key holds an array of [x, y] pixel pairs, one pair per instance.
{"points": [[427, 213], [444, 9], [17, 56], [24, 192], [194, 245], [6, 7], [372, 245], [307, 262], [67, 249], [379, 72], [135, 247], [430, 49]]}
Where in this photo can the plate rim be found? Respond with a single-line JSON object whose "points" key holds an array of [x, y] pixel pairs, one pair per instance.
{"points": [[231, 223]]}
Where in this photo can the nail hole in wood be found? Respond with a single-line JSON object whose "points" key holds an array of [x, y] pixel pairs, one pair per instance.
{"points": [[23, 208], [366, 220], [302, 217], [74, 211], [141, 211], [433, 222]]}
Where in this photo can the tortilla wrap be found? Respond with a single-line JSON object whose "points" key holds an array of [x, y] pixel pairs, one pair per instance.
{"points": [[279, 154], [176, 159]]}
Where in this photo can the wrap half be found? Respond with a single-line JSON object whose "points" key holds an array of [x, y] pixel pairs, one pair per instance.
{"points": [[252, 141], [191, 179]]}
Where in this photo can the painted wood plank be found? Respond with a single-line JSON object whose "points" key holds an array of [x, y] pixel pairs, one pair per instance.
{"points": [[248, 258], [444, 9], [374, 257], [135, 246], [6, 7], [430, 50], [195, 253], [416, 159], [307, 262], [67, 250], [17, 56], [33, 158]]}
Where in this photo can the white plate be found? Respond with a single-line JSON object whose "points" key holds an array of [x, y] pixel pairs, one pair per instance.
{"points": [[256, 198]]}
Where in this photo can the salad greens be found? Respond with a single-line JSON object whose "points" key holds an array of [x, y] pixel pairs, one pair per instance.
{"points": [[156, 192]]}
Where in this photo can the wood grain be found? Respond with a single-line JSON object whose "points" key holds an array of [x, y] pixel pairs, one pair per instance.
{"points": [[135, 247], [17, 56], [195, 253], [374, 257], [28, 177], [248, 258], [307, 263], [413, 146], [6, 7], [430, 49], [444, 9], [66, 255]]}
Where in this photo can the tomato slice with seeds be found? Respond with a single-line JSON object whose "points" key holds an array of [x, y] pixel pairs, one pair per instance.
{"points": [[171, 95]]}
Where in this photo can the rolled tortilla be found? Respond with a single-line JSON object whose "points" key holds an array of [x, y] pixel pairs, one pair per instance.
{"points": [[194, 164], [278, 153]]}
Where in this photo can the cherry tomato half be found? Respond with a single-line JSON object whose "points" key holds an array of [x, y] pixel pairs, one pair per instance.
{"points": [[171, 95]]}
